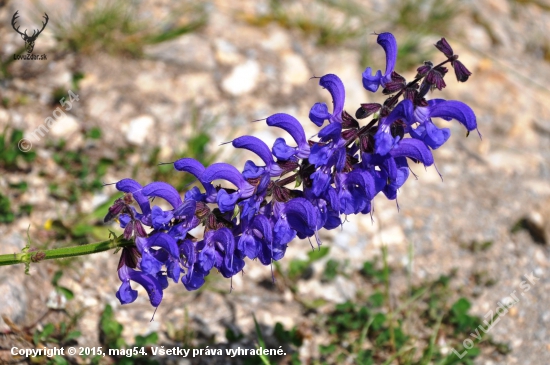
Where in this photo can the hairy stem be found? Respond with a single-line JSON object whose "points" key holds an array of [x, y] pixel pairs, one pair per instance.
{"points": [[59, 253]]}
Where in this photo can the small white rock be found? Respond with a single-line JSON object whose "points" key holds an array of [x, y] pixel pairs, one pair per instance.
{"points": [[295, 69], [139, 129], [64, 126], [242, 79]]}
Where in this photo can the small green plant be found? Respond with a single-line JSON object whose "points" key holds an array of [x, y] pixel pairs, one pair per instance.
{"points": [[10, 154], [115, 27], [111, 337]]}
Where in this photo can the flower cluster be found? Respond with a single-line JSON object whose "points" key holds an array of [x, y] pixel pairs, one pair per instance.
{"points": [[340, 174]]}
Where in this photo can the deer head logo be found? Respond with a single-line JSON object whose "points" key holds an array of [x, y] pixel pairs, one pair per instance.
{"points": [[29, 39]]}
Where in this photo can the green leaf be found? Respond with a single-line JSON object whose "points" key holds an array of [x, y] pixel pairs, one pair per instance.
{"points": [[72, 335], [66, 292], [318, 254], [59, 360], [58, 274]]}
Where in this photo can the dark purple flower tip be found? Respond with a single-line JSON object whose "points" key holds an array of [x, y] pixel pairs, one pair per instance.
{"points": [[453, 109], [319, 113], [348, 121], [389, 44], [128, 231], [163, 190], [335, 87], [255, 145], [435, 78], [224, 171], [133, 187], [424, 69], [461, 72], [367, 109], [414, 149], [140, 231], [444, 47]]}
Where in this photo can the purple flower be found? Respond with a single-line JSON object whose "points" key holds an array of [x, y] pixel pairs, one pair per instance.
{"points": [[290, 124], [226, 201], [126, 294], [372, 82], [428, 132], [319, 112]]}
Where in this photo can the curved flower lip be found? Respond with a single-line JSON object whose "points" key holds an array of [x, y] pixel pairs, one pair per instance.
{"points": [[164, 241], [293, 127], [163, 190], [132, 186], [319, 112], [335, 87], [453, 109], [196, 169], [389, 44], [259, 147], [228, 172], [415, 149]]}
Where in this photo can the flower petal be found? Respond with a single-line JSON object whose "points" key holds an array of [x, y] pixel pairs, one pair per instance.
{"points": [[292, 126], [335, 87], [453, 109], [151, 285], [255, 145], [228, 172], [415, 149], [163, 190], [389, 44], [319, 113]]}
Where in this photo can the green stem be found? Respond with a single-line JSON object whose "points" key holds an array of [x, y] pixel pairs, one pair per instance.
{"points": [[59, 253]]}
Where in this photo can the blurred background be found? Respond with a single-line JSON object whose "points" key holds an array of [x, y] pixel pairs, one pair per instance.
{"points": [[154, 81]]}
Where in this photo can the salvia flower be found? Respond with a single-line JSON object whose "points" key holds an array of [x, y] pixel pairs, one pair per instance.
{"points": [[236, 215], [372, 82]]}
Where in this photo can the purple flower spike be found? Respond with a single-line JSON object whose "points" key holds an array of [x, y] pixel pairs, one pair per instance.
{"points": [[444, 47], [370, 82], [163, 190]]}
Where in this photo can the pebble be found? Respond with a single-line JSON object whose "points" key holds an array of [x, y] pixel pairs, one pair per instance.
{"points": [[139, 128], [242, 79]]}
